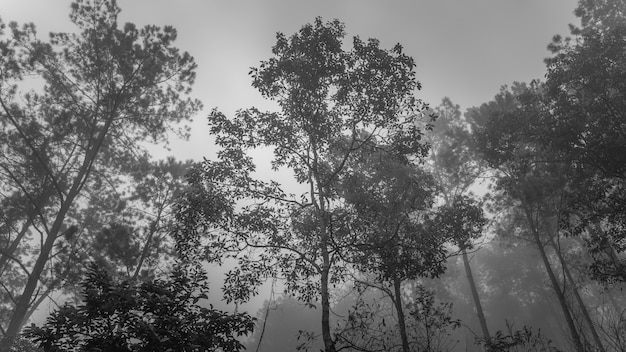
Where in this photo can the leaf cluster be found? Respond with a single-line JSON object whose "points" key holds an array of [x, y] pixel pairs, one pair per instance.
{"points": [[159, 315], [518, 340]]}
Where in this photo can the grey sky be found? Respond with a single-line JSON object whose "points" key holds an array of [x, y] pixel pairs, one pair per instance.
{"points": [[464, 49]]}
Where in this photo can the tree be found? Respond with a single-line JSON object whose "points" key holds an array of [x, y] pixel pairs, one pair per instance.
{"points": [[134, 243], [400, 236], [453, 157], [519, 340], [136, 220], [568, 147], [432, 321], [462, 221], [387, 203], [332, 103], [104, 90], [584, 115], [455, 162], [535, 184], [517, 280], [372, 323], [157, 315]]}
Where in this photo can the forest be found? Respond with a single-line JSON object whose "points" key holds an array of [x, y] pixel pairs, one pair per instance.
{"points": [[415, 226]]}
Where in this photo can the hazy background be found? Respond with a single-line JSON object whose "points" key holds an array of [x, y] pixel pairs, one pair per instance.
{"points": [[464, 49]]}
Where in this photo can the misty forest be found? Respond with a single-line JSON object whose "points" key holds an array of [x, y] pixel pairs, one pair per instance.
{"points": [[407, 225]]}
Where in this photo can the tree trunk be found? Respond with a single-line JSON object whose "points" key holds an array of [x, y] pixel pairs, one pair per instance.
{"points": [[401, 321], [479, 307], [21, 309], [317, 188], [579, 300], [8, 252], [329, 344], [24, 302], [555, 283], [146, 248]]}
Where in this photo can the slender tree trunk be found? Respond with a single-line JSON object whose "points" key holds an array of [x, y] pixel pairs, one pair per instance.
{"points": [[317, 188], [555, 283], [146, 247], [329, 344], [554, 313], [581, 304], [42, 297], [401, 320], [479, 307], [6, 253], [144, 253], [24, 302], [21, 309]]}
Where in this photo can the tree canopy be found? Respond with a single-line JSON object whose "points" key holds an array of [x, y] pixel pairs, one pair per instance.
{"points": [[71, 142]]}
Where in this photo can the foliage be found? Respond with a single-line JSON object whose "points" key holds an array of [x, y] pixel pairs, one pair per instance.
{"points": [[388, 206], [460, 221], [559, 147], [568, 134], [22, 344], [402, 238], [534, 184], [431, 321], [76, 112], [517, 340], [453, 159], [372, 323], [140, 250], [158, 315], [585, 92]]}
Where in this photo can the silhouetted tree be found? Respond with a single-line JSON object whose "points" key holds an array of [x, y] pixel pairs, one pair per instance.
{"points": [[70, 142]]}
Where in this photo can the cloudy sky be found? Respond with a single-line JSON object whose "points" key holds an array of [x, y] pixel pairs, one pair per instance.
{"points": [[464, 49]]}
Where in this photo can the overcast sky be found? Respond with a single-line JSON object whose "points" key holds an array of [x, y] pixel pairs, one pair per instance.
{"points": [[464, 49]]}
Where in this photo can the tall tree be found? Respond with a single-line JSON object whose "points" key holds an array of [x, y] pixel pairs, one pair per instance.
{"points": [[332, 103], [104, 90], [568, 147], [586, 129], [535, 183], [462, 221], [455, 162], [388, 202]]}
